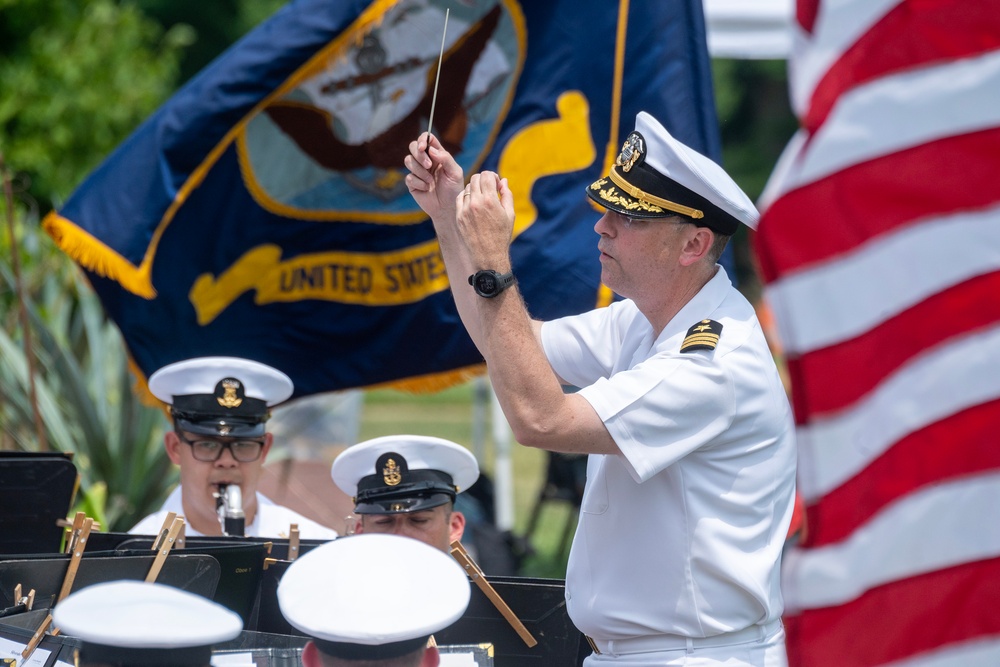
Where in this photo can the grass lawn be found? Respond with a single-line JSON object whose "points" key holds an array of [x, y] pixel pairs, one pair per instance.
{"points": [[452, 414]]}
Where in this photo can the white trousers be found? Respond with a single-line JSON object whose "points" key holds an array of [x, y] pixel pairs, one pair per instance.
{"points": [[768, 652]]}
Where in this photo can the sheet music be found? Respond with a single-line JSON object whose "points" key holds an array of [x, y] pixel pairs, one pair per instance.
{"points": [[233, 660], [11, 649], [458, 660]]}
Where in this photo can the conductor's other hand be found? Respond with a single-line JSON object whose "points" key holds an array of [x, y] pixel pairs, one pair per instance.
{"points": [[435, 178]]}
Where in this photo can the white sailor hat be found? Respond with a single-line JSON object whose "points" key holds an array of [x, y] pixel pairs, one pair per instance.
{"points": [[373, 596], [134, 622], [404, 473], [225, 396], [656, 176]]}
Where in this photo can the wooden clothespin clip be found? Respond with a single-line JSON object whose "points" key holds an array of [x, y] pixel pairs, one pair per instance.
{"points": [[459, 553], [168, 522], [74, 531], [293, 542], [166, 543], [76, 555], [27, 600], [79, 543]]}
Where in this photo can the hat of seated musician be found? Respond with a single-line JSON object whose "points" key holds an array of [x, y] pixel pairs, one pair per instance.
{"points": [[404, 473], [221, 396], [373, 596], [139, 623]]}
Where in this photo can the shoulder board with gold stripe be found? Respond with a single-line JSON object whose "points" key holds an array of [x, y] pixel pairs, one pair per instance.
{"points": [[702, 336]]}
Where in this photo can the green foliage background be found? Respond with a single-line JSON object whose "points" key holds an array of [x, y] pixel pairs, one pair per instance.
{"points": [[76, 77]]}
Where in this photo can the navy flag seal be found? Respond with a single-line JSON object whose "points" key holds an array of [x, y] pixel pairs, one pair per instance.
{"points": [[702, 336]]}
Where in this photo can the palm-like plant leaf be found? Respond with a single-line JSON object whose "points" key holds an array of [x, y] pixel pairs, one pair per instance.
{"points": [[85, 398]]}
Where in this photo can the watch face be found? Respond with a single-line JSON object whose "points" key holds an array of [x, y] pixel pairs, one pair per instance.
{"points": [[487, 283]]}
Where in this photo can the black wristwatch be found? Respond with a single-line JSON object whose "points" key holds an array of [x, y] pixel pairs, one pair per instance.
{"points": [[489, 283]]}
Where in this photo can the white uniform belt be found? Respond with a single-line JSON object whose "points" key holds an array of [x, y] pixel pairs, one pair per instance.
{"points": [[654, 643]]}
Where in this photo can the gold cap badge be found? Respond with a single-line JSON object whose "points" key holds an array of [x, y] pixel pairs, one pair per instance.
{"points": [[391, 473], [229, 399]]}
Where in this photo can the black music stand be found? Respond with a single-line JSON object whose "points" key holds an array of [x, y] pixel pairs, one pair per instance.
{"points": [[190, 572], [240, 566], [541, 605], [36, 491]]}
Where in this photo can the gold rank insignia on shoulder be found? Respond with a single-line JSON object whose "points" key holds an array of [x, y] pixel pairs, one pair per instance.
{"points": [[702, 336]]}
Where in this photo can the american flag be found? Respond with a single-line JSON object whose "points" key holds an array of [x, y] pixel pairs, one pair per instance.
{"points": [[880, 250]]}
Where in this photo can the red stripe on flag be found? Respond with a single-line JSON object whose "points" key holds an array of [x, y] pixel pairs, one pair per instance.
{"points": [[900, 619], [834, 378], [948, 449], [805, 13], [807, 225], [912, 34]]}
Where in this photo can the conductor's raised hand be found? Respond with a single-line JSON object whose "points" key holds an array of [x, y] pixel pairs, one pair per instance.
{"points": [[435, 178], [485, 218]]}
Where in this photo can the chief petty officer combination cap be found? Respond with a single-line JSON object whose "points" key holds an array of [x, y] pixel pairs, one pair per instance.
{"points": [[404, 473], [372, 596], [656, 176], [139, 623], [225, 396]]}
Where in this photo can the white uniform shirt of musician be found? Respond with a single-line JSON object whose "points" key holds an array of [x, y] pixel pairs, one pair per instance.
{"points": [[220, 406]]}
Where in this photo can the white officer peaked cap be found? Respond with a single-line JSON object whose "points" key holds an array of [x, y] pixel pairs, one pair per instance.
{"points": [[226, 396], [656, 176], [404, 473], [201, 374], [373, 596], [145, 623]]}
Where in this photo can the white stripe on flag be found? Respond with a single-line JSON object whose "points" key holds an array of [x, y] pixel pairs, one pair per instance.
{"points": [[937, 527], [842, 299], [839, 25], [901, 111], [928, 389]]}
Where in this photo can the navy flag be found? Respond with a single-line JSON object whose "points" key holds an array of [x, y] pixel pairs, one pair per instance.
{"points": [[262, 211]]}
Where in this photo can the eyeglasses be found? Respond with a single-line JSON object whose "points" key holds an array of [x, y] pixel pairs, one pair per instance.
{"points": [[210, 451]]}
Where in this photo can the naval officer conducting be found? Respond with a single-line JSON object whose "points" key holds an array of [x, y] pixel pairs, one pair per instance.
{"points": [[690, 481]]}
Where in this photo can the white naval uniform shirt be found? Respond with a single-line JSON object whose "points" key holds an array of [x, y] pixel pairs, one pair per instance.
{"points": [[271, 521], [682, 533]]}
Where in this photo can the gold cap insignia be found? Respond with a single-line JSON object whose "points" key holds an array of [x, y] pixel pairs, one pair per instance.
{"points": [[702, 336], [229, 399], [391, 474], [633, 149]]}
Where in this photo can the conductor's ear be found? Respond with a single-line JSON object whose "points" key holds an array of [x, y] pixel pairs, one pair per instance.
{"points": [[697, 245]]}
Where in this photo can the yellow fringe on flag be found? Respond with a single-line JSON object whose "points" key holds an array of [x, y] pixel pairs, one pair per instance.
{"points": [[435, 382], [95, 256], [141, 388]]}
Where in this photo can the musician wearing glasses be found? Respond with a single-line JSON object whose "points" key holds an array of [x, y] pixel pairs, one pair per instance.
{"points": [[220, 407]]}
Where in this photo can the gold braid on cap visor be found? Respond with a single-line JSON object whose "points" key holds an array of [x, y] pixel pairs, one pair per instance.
{"points": [[652, 199]]}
